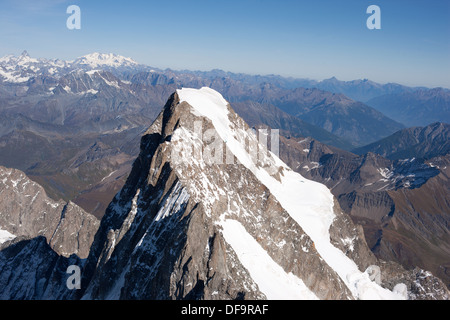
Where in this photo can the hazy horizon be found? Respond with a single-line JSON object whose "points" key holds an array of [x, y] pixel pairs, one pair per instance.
{"points": [[299, 39]]}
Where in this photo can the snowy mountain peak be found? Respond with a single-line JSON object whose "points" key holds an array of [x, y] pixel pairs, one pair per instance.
{"points": [[21, 60], [95, 60], [19, 69]]}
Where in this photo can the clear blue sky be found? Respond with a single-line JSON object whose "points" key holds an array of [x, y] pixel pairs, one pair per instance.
{"points": [[308, 39]]}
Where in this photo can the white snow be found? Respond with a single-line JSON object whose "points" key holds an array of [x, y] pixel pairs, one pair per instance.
{"points": [[109, 175], [271, 279], [25, 60], [110, 83], [401, 289], [210, 104], [179, 197], [309, 203], [10, 77], [348, 242], [92, 72], [90, 91], [385, 173], [7, 59], [5, 236]]}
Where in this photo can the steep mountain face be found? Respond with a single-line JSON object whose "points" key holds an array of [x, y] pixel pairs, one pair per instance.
{"points": [[415, 108], [31, 270], [168, 219], [194, 222], [339, 115], [418, 234], [417, 142], [39, 239], [27, 212]]}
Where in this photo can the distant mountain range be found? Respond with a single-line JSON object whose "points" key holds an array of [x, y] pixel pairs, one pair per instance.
{"points": [[83, 78], [415, 108], [22, 68], [362, 89], [417, 142], [256, 113]]}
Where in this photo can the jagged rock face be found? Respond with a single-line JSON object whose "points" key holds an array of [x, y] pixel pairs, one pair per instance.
{"points": [[31, 270], [27, 212], [184, 227]]}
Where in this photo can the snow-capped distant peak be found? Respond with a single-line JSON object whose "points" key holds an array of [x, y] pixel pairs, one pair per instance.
{"points": [[96, 59], [19, 69], [23, 59]]}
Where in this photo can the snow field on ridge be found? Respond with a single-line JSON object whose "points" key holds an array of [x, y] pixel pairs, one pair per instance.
{"points": [[309, 203], [5, 236]]}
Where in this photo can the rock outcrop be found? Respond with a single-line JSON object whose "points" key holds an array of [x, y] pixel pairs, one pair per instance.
{"points": [[27, 212]]}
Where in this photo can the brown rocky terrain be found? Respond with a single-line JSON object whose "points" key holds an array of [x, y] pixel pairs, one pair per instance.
{"points": [[27, 212], [402, 205]]}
